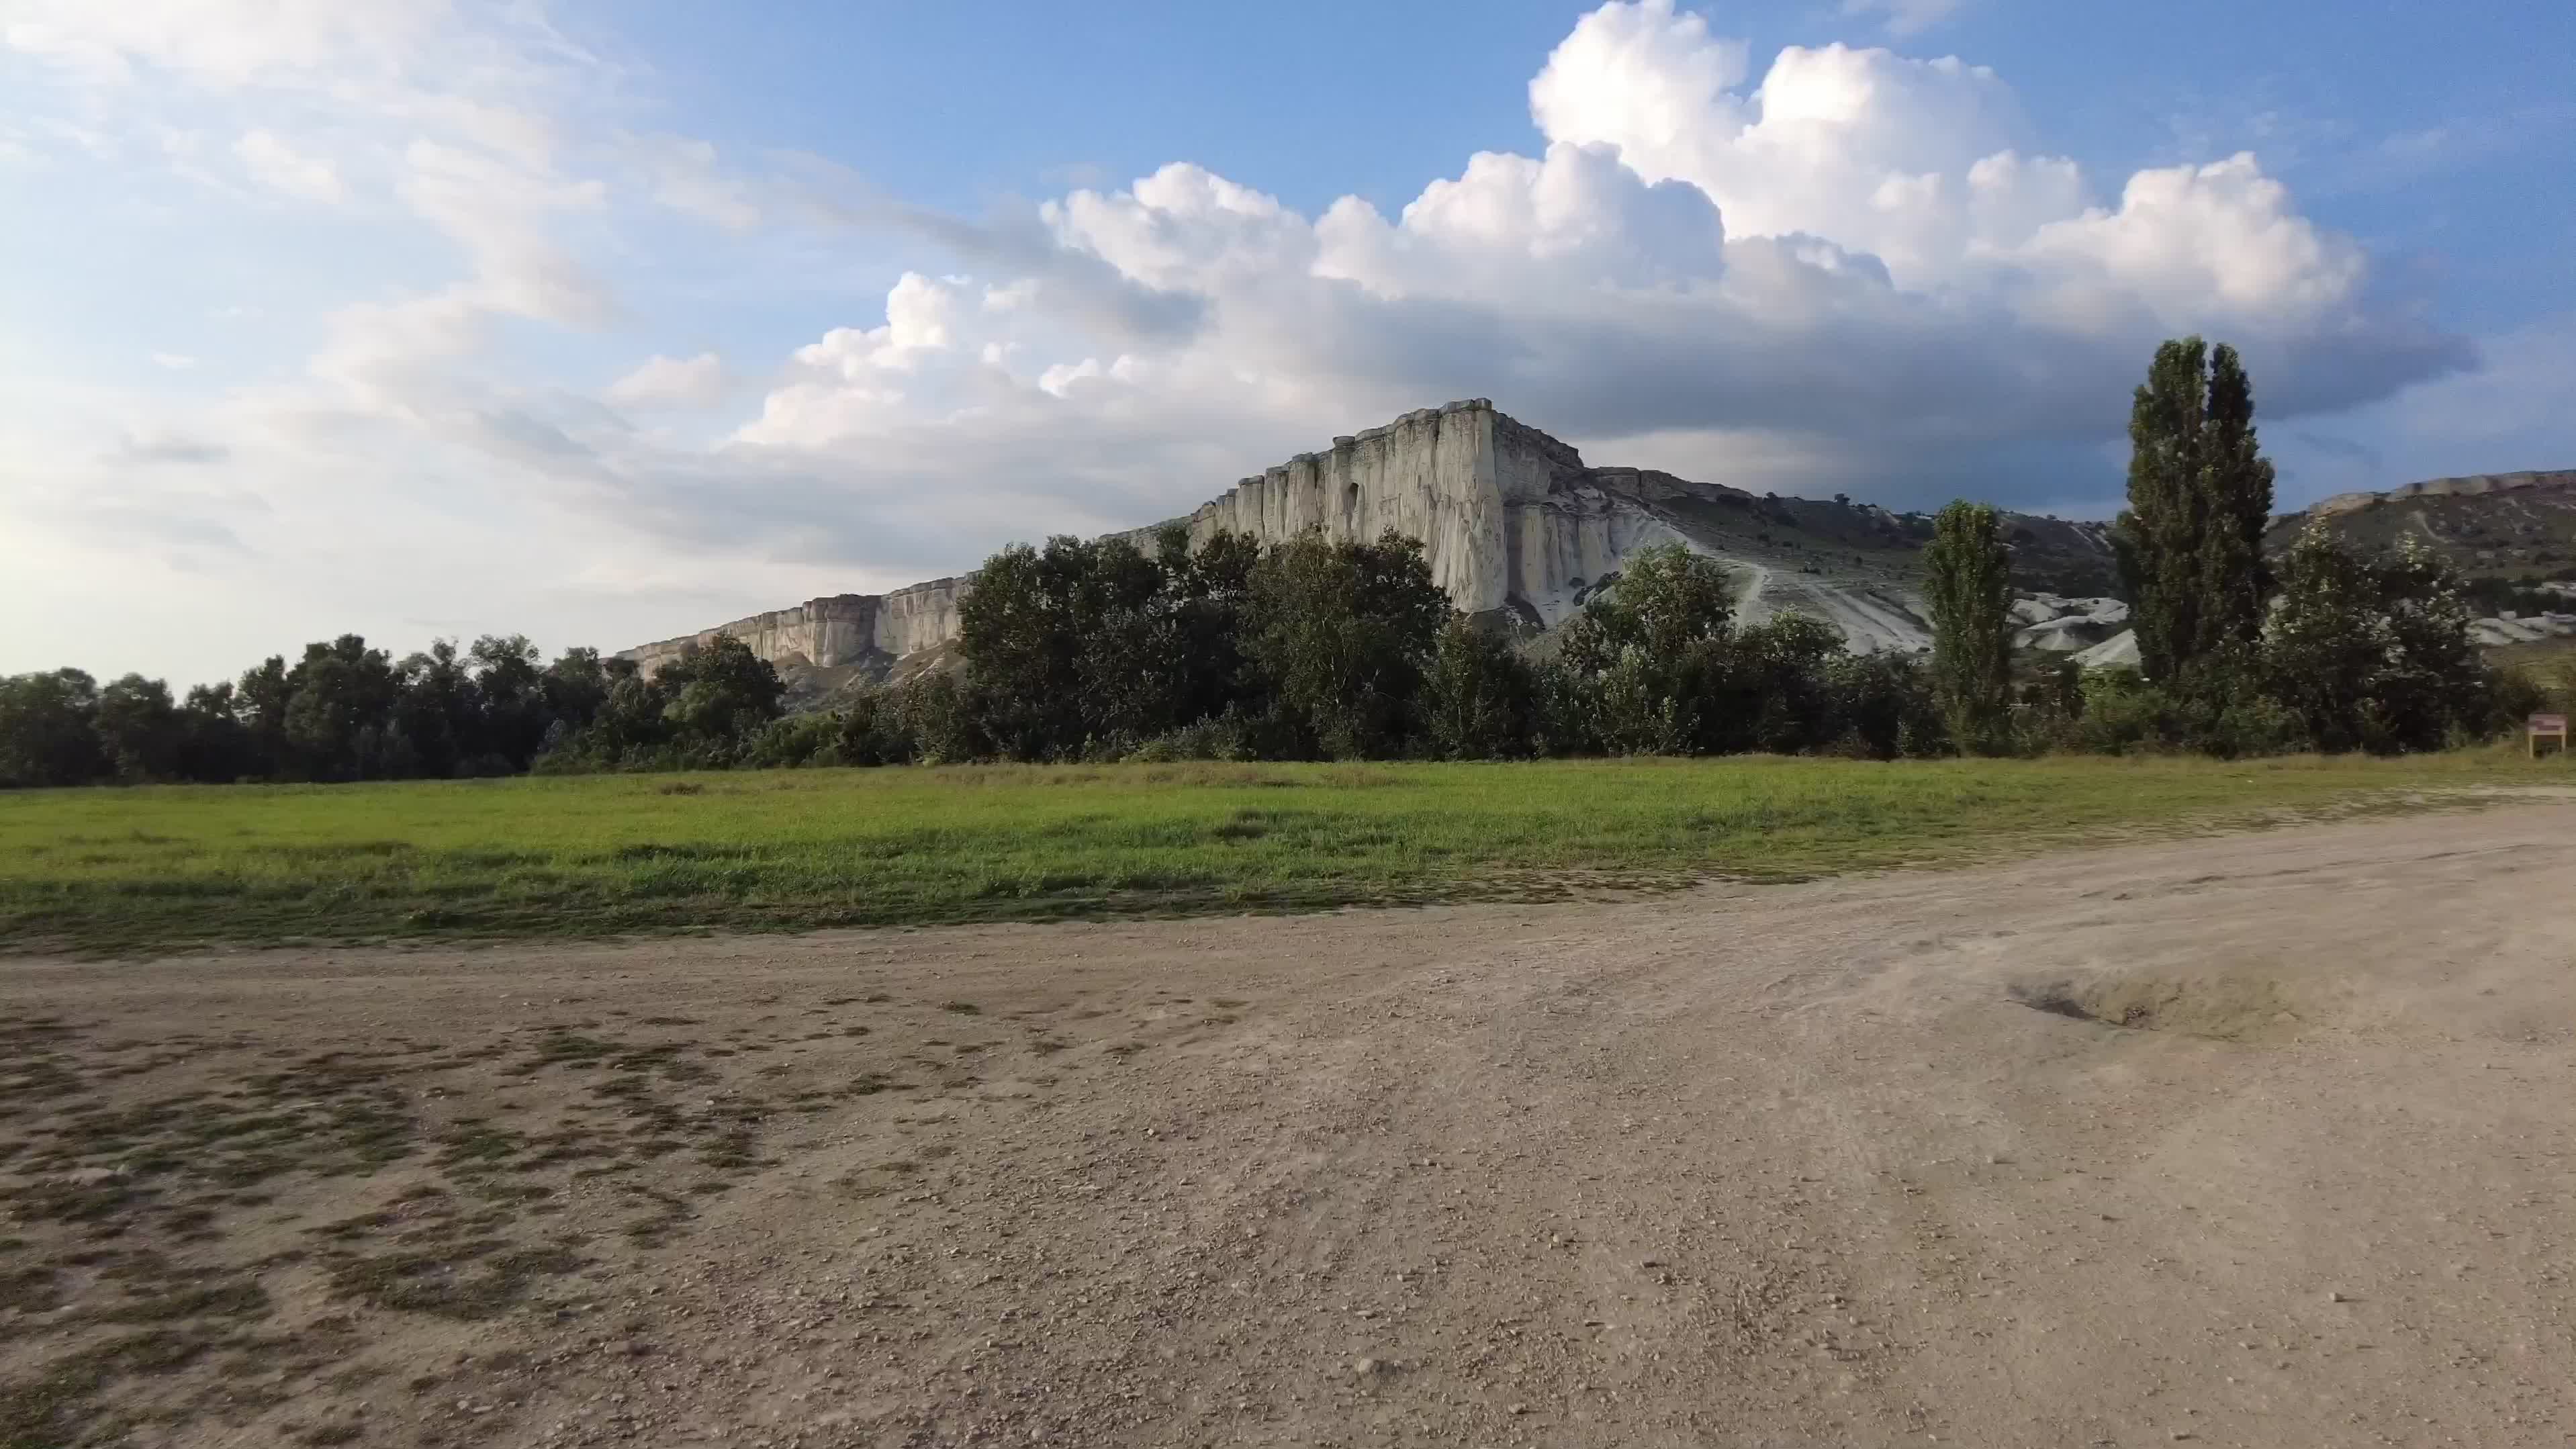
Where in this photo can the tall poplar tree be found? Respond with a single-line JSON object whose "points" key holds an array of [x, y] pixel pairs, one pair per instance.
{"points": [[2200, 496], [1968, 584]]}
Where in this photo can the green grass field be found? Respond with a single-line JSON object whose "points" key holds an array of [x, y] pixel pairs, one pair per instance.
{"points": [[151, 870]]}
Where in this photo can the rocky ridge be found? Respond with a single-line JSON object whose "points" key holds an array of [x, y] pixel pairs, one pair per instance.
{"points": [[1516, 526]]}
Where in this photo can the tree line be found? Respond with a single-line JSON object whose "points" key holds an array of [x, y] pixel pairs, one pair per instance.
{"points": [[1320, 649], [345, 711]]}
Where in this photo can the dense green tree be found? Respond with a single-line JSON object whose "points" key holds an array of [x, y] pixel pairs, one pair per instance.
{"points": [[1645, 652], [719, 694], [1967, 585], [1883, 707], [1767, 688], [436, 709], [338, 712], [1340, 634], [511, 717], [2374, 655], [215, 746], [1145, 660], [1664, 602], [1066, 642], [259, 703], [1210, 588], [574, 689], [1481, 700], [795, 742], [2200, 495], [48, 730], [140, 730]]}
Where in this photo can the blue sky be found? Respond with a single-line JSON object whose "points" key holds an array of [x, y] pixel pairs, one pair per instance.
{"points": [[603, 319]]}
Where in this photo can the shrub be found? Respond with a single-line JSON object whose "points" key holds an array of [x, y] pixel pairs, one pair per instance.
{"points": [[2123, 714], [1480, 697], [797, 741], [1224, 738], [2373, 656], [1883, 708]]}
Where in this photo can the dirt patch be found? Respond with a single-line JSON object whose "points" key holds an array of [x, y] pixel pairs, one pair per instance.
{"points": [[2221, 1007], [1732, 1165], [185, 1204]]}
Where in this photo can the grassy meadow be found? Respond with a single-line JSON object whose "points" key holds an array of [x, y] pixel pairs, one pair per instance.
{"points": [[140, 871]]}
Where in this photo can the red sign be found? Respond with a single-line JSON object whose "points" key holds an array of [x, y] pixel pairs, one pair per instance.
{"points": [[2549, 724]]}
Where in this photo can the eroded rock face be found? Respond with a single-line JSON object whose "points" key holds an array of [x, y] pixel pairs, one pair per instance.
{"points": [[1513, 522], [2057, 625], [2518, 628], [844, 629], [2471, 486]]}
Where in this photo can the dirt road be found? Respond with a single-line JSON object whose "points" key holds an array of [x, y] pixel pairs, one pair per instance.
{"points": [[2260, 1140]]}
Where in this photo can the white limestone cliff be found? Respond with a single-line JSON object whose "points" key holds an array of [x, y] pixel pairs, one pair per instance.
{"points": [[1513, 523], [844, 629]]}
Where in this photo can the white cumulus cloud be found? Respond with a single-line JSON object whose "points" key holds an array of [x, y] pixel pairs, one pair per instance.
{"points": [[280, 167], [693, 382]]}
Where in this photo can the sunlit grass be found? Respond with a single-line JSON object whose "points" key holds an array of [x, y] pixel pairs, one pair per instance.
{"points": [[155, 869]]}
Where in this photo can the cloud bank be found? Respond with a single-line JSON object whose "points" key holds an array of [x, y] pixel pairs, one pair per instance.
{"points": [[1850, 269]]}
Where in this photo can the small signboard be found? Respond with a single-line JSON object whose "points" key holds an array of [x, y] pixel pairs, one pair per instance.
{"points": [[2548, 727]]}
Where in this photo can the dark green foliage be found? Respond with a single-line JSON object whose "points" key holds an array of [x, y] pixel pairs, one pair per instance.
{"points": [[338, 719], [1968, 587], [140, 729], [796, 741], [342, 712], [2374, 655], [48, 730], [2057, 692], [1026, 627], [1657, 665], [1769, 689], [1082, 649], [1644, 652], [1339, 636], [2356, 655], [1481, 699], [721, 691], [2200, 496], [705, 710], [1883, 708], [929, 719]]}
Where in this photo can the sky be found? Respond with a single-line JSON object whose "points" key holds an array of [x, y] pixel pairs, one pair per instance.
{"points": [[606, 320]]}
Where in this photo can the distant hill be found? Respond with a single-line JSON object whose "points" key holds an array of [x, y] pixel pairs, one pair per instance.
{"points": [[2513, 526]]}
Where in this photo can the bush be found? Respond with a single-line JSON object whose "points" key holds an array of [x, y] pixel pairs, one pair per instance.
{"points": [[1225, 738], [797, 741], [2372, 655], [1883, 708], [1768, 688], [933, 718], [1480, 698], [2123, 714]]}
